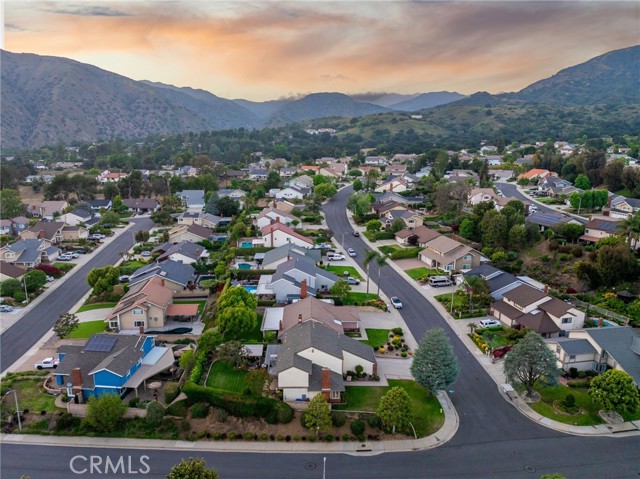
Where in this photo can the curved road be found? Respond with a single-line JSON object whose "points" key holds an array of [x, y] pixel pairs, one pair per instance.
{"points": [[28, 330], [494, 440]]}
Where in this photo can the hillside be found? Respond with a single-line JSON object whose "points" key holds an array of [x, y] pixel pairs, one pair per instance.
{"points": [[427, 100]]}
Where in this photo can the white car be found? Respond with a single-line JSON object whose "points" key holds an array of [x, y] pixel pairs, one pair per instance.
{"points": [[47, 363], [336, 257], [396, 302], [145, 254], [351, 252], [65, 257], [5, 308], [352, 280], [489, 323]]}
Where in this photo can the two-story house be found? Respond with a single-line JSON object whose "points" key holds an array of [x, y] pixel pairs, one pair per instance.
{"points": [[47, 230], [410, 218], [176, 276], [270, 215], [192, 199], [47, 210], [623, 208], [599, 227], [194, 233], [278, 234], [395, 184], [449, 255], [480, 195]]}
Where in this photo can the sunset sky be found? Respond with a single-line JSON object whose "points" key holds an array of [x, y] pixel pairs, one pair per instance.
{"points": [[267, 50]]}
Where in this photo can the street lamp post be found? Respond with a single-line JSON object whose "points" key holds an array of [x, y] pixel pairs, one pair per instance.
{"points": [[24, 282], [15, 393], [324, 467], [342, 242]]}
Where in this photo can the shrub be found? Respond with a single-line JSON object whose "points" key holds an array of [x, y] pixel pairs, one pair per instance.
{"points": [[50, 270], [171, 391], [569, 401], [374, 421], [357, 427], [280, 437], [296, 438], [303, 419], [403, 354], [231, 436], [264, 436], [133, 402], [199, 410], [573, 372], [66, 421], [346, 437], [329, 438], [579, 384], [248, 436], [359, 370], [338, 418], [284, 413], [178, 409], [155, 413], [311, 438], [221, 415]]}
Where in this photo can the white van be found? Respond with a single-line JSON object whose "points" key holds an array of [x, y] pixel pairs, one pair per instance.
{"points": [[437, 281]]}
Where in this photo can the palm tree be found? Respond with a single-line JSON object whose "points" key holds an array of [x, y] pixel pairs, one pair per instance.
{"points": [[631, 229], [369, 256], [476, 286], [381, 259]]}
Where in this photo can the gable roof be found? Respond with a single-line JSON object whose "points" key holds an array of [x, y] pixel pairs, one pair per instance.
{"points": [[574, 346], [275, 211], [80, 213], [295, 251], [603, 225], [152, 291], [28, 250], [424, 234], [314, 309], [172, 270], [186, 248], [623, 344], [496, 278], [140, 203], [547, 218], [301, 265], [192, 197], [524, 295], [267, 229], [11, 270], [46, 229], [200, 231]]}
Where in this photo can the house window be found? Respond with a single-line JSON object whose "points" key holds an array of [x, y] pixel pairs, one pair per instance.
{"points": [[448, 267], [466, 257], [572, 358], [113, 324], [138, 312], [466, 266], [566, 320], [335, 394], [138, 324]]}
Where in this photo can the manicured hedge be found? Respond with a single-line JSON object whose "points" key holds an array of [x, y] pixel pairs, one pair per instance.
{"points": [[405, 253], [385, 235], [250, 273], [171, 391], [250, 251]]}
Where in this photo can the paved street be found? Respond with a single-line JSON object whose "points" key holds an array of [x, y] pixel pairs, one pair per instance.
{"points": [[27, 331]]}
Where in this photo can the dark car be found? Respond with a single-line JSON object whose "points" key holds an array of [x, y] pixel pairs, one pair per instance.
{"points": [[356, 234]]}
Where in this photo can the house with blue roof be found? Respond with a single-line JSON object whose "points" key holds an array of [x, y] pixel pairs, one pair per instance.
{"points": [[109, 364]]}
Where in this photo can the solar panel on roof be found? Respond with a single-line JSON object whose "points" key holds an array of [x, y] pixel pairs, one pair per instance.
{"points": [[102, 344]]}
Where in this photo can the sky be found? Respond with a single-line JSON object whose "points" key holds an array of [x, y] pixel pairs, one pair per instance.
{"points": [[266, 50]]}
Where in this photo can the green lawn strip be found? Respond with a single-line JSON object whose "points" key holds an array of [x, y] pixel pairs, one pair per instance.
{"points": [[88, 329], [355, 298], [558, 393], [495, 339], [376, 337], [63, 266], [200, 304], [31, 397], [223, 377], [421, 273], [339, 271], [254, 336], [427, 418], [91, 307], [388, 249]]}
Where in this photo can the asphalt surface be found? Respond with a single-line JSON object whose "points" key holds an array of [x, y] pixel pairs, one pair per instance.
{"points": [[511, 190], [20, 337], [493, 441]]}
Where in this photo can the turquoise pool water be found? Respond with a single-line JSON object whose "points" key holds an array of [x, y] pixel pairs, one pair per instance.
{"points": [[246, 244], [251, 289], [244, 266]]}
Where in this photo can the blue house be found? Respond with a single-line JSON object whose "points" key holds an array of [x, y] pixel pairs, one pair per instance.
{"points": [[110, 363]]}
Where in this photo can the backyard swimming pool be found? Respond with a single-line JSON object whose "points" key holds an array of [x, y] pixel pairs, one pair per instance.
{"points": [[246, 244], [251, 289]]}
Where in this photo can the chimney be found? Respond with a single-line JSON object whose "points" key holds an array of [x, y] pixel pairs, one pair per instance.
{"points": [[162, 282], [277, 219], [76, 382], [600, 322], [141, 329], [300, 318], [546, 289], [326, 383], [303, 289], [391, 186], [271, 234], [288, 257], [280, 325]]}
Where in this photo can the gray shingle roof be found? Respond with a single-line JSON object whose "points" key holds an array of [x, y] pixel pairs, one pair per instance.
{"points": [[315, 380], [547, 219], [308, 255], [305, 267], [187, 248], [171, 270], [618, 341], [573, 346], [28, 249]]}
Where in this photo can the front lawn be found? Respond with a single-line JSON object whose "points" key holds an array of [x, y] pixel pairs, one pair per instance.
{"points": [[64, 267], [461, 305], [356, 299], [422, 273], [224, 378], [91, 307], [30, 396], [495, 336], [339, 271], [254, 336], [398, 252], [376, 337], [427, 415], [200, 304], [88, 329]]}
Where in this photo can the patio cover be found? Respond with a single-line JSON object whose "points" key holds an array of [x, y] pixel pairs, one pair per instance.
{"points": [[182, 310], [254, 350], [158, 359]]}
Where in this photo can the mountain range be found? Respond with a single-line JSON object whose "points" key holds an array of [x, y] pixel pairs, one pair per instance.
{"points": [[50, 100]]}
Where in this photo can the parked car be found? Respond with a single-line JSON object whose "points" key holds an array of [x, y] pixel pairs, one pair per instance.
{"points": [[106, 225], [395, 301], [80, 251], [437, 281], [488, 323], [47, 363], [351, 252], [65, 257], [124, 278], [352, 280], [356, 234], [5, 308], [321, 246], [335, 257], [96, 237], [74, 255], [146, 254]]}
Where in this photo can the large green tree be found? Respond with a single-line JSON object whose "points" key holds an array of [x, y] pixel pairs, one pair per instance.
{"points": [[105, 413], [325, 190], [317, 416], [34, 280], [395, 409], [615, 390], [435, 365], [530, 360], [340, 289], [494, 230], [10, 204], [616, 263], [65, 325], [582, 182], [103, 279], [234, 321]]}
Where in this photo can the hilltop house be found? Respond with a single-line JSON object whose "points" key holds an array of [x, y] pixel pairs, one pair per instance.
{"points": [[449, 255], [108, 364], [295, 279]]}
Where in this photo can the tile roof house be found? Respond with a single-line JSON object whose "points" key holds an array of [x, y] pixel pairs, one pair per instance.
{"points": [[480, 195], [269, 215], [48, 230], [273, 258], [536, 173], [184, 252], [192, 199], [340, 318], [599, 349], [313, 359], [531, 308], [142, 205], [108, 364], [295, 279], [177, 276], [423, 236], [10, 271], [449, 255], [278, 234], [194, 233], [148, 305]]}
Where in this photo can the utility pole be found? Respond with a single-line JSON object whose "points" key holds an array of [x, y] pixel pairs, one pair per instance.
{"points": [[15, 393]]}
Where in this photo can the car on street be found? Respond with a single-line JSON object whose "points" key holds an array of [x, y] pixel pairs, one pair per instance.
{"points": [[351, 252], [65, 257], [395, 301], [146, 254], [5, 308], [352, 280], [47, 363], [356, 234]]}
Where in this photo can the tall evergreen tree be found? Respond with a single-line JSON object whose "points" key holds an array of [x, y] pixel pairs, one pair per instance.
{"points": [[530, 360], [435, 365]]}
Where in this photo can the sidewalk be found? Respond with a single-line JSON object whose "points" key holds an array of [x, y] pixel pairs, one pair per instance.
{"points": [[495, 370]]}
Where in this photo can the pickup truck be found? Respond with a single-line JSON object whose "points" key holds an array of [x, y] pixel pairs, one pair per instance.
{"points": [[47, 363]]}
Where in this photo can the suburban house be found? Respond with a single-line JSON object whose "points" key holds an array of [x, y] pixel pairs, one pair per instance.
{"points": [[270, 215], [47, 210], [184, 252], [501, 175], [258, 174], [382, 198], [623, 208], [281, 319], [599, 227], [410, 218], [192, 199], [275, 257], [480, 195], [531, 308], [599, 349], [418, 236], [375, 161], [383, 208], [295, 279], [111, 176], [395, 184], [50, 231], [148, 305], [203, 219], [176, 276], [10, 271], [278, 234], [396, 169], [108, 364], [449, 255], [6, 227], [292, 192], [334, 170], [141, 205], [424, 171], [547, 219], [77, 216], [536, 173], [234, 194], [468, 176], [313, 358], [74, 233], [97, 204], [499, 281], [304, 181], [18, 225], [194, 233], [288, 172], [29, 253]]}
